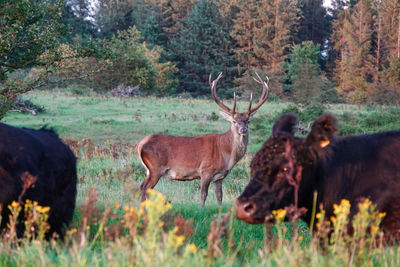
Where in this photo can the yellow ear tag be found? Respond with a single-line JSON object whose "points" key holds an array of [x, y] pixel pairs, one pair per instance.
{"points": [[324, 143]]}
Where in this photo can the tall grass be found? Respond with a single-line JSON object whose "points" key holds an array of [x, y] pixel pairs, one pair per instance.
{"points": [[152, 234]]}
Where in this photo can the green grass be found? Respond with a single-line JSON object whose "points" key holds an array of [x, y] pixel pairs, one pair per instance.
{"points": [[106, 120], [102, 118]]}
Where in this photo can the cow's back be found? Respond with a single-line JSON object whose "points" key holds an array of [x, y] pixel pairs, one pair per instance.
{"points": [[363, 166]]}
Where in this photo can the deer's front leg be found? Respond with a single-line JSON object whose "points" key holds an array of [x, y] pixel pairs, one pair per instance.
{"points": [[205, 183], [218, 191]]}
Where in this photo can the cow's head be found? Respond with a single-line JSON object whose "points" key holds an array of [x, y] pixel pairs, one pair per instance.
{"points": [[275, 165]]}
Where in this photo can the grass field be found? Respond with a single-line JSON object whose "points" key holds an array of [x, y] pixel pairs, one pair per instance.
{"points": [[109, 175]]}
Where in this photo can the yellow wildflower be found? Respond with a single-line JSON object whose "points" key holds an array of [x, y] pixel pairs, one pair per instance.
{"points": [[14, 204], [365, 204], [343, 207], [381, 215], [374, 230], [175, 240], [192, 248], [279, 214], [43, 210]]}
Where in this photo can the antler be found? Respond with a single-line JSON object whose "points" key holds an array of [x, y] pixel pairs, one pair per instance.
{"points": [[213, 86], [302, 129], [264, 94]]}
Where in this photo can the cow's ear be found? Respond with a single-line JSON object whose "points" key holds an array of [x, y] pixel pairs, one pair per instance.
{"points": [[286, 123], [322, 131]]}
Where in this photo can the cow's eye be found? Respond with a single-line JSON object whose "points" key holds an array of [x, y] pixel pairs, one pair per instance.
{"points": [[285, 169]]}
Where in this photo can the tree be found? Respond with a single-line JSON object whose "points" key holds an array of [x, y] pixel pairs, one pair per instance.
{"points": [[113, 16], [307, 83], [264, 32], [28, 29], [355, 69], [337, 11], [389, 12], [122, 59], [158, 20], [200, 50], [314, 22], [77, 15]]}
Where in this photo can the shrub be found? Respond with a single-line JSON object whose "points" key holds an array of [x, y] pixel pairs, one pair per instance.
{"points": [[385, 95], [104, 64]]}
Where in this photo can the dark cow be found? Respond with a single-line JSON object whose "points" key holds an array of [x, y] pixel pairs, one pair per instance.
{"points": [[350, 167], [40, 154]]}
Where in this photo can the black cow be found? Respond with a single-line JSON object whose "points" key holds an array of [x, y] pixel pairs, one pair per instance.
{"points": [[41, 154], [350, 167]]}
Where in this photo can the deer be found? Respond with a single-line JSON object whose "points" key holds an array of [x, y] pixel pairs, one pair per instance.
{"points": [[207, 157]]}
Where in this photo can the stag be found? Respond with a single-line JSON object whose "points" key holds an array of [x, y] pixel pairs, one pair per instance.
{"points": [[207, 157]]}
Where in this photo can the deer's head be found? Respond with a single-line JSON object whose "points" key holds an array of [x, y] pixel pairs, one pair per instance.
{"points": [[239, 121]]}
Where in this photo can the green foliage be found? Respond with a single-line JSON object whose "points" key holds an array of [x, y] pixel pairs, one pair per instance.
{"points": [[376, 119], [307, 52], [103, 64], [314, 22], [213, 116], [385, 95], [201, 49], [75, 16], [113, 16], [390, 75], [28, 29], [78, 89], [130, 66], [306, 83], [152, 31], [307, 114]]}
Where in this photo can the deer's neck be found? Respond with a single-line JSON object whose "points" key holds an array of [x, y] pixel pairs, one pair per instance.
{"points": [[238, 144]]}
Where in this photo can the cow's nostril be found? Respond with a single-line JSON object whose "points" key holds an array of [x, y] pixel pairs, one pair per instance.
{"points": [[249, 208]]}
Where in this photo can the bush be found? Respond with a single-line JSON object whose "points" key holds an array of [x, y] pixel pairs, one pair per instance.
{"points": [[79, 89], [378, 119], [134, 65], [104, 64], [385, 95]]}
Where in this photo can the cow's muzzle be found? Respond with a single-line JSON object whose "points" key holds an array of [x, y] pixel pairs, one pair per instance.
{"points": [[245, 211]]}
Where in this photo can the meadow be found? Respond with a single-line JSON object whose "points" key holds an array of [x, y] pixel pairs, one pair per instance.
{"points": [[112, 228]]}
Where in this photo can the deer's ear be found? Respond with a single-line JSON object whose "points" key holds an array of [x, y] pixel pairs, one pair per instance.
{"points": [[252, 115], [322, 131], [226, 116], [286, 123]]}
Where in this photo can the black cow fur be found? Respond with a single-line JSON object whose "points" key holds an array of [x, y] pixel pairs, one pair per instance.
{"points": [[350, 167], [43, 155]]}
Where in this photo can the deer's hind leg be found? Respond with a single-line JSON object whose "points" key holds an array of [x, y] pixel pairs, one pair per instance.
{"points": [[153, 174], [149, 182]]}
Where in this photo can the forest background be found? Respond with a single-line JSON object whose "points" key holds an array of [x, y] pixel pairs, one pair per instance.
{"points": [[349, 52]]}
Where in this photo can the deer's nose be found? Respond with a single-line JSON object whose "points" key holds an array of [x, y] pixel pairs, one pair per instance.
{"points": [[243, 130]]}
